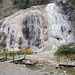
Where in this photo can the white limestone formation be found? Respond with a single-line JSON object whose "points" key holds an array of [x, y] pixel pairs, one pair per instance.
{"points": [[42, 26]]}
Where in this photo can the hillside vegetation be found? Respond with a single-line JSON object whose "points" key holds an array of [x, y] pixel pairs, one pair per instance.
{"points": [[9, 7], [21, 3], [27, 3]]}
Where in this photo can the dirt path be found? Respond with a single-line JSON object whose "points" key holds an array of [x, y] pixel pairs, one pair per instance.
{"points": [[7, 68], [47, 56]]}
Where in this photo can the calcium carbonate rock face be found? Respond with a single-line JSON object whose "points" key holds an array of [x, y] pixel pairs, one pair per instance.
{"points": [[42, 26]]}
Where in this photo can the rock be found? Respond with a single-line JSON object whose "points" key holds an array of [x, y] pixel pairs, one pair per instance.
{"points": [[33, 62], [35, 49], [30, 62], [27, 62]]}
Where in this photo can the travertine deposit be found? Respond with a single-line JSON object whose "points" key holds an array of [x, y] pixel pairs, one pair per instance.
{"points": [[45, 27]]}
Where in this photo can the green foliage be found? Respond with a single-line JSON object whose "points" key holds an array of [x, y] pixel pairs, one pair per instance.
{"points": [[21, 3], [65, 50]]}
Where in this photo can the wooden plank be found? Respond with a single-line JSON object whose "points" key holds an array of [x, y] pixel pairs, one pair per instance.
{"points": [[18, 59], [6, 55], [64, 65], [13, 57], [3, 59]]}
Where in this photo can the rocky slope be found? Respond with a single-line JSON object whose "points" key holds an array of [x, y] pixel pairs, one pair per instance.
{"points": [[44, 26], [7, 8]]}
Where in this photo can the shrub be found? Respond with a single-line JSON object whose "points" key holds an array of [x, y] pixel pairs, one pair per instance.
{"points": [[26, 50], [65, 50], [29, 52]]}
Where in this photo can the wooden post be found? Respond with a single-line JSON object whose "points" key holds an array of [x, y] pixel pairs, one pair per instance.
{"points": [[10, 54], [13, 57], [24, 55], [19, 54], [6, 56]]}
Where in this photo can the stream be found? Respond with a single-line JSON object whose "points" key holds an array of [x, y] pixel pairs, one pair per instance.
{"points": [[51, 68]]}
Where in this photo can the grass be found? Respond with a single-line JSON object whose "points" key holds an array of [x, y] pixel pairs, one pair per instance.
{"points": [[2, 54], [8, 54]]}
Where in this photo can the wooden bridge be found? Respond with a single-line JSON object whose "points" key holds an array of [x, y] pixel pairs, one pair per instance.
{"points": [[17, 60]]}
